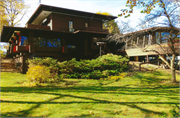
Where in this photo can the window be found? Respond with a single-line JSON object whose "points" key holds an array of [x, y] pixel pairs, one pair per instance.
{"points": [[86, 24], [71, 46], [24, 41], [164, 37], [47, 42], [70, 24], [158, 37], [146, 40]]}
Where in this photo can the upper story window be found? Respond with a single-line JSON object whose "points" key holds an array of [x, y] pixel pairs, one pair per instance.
{"points": [[162, 37], [158, 37], [70, 24], [71, 29], [86, 24]]}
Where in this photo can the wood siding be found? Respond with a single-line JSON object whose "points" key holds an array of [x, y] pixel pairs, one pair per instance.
{"points": [[61, 23], [43, 27]]}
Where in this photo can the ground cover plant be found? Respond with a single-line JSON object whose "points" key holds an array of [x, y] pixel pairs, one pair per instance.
{"points": [[137, 94]]}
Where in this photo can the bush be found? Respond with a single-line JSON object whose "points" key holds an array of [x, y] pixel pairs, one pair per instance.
{"points": [[101, 67], [38, 74], [96, 68]]}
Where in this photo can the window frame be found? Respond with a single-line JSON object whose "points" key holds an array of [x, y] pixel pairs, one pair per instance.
{"points": [[71, 24]]}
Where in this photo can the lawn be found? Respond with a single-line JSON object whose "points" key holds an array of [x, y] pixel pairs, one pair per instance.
{"points": [[140, 94]]}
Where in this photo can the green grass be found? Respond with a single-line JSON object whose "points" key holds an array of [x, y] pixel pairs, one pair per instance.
{"points": [[140, 94]]}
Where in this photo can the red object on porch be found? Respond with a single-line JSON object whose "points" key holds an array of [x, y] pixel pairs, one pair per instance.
{"points": [[18, 33], [62, 49], [15, 49], [19, 40]]}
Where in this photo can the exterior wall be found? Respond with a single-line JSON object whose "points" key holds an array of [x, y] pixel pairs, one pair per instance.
{"points": [[43, 27], [61, 23]]}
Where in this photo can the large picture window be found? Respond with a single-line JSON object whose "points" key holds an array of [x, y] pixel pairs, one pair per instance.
{"points": [[47, 42], [164, 37], [158, 37]]}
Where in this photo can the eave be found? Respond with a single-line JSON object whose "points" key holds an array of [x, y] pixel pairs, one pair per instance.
{"points": [[46, 9]]}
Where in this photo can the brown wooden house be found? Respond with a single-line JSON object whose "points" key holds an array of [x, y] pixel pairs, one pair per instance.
{"points": [[56, 32], [148, 39]]}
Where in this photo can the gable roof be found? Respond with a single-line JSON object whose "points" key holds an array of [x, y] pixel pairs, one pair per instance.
{"points": [[44, 10]]}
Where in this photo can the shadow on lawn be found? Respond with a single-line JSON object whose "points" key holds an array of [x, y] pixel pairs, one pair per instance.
{"points": [[149, 78], [159, 91]]}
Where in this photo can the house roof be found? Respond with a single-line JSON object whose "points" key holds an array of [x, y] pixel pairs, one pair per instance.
{"points": [[150, 29], [45, 10]]}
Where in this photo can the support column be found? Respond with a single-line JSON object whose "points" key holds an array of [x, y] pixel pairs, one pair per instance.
{"points": [[136, 58], [24, 63], [147, 57], [31, 42]]}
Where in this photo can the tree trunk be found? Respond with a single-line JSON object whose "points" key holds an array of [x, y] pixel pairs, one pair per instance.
{"points": [[173, 70], [173, 73]]}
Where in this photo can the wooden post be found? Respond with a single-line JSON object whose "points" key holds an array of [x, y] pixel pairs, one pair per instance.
{"points": [[31, 42], [136, 58], [131, 43], [147, 58], [144, 41], [100, 50], [150, 38], [137, 40], [139, 67]]}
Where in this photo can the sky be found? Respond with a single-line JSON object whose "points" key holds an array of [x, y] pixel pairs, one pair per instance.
{"points": [[111, 6]]}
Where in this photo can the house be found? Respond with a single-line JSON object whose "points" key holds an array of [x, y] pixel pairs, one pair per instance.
{"points": [[56, 32], [149, 39]]}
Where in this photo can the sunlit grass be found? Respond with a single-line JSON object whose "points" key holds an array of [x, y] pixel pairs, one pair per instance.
{"points": [[140, 94]]}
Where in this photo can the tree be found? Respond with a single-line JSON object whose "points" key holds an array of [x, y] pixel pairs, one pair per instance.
{"points": [[167, 11], [12, 12], [3, 49], [112, 25], [3, 21], [125, 27]]}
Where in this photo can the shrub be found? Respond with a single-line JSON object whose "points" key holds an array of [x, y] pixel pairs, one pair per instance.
{"points": [[38, 74], [104, 66]]}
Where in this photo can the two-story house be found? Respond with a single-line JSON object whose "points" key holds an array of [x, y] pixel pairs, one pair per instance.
{"points": [[56, 32]]}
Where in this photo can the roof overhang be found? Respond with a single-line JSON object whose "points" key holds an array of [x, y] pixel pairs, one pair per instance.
{"points": [[41, 17], [7, 32], [92, 32], [152, 29], [44, 10]]}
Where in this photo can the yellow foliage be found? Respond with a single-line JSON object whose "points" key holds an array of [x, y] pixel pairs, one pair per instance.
{"points": [[110, 25], [103, 13], [11, 11], [38, 74]]}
